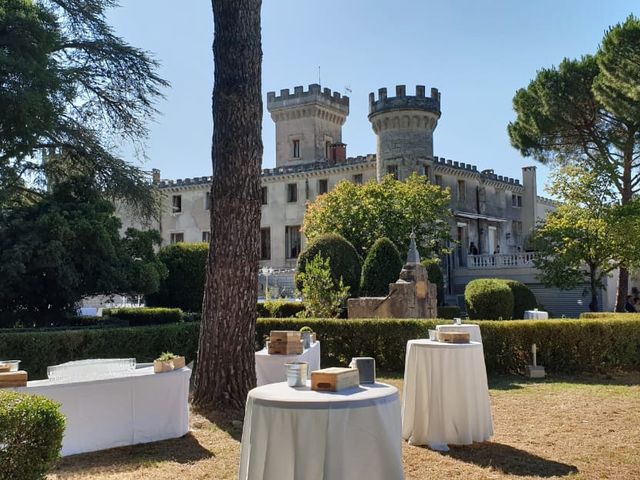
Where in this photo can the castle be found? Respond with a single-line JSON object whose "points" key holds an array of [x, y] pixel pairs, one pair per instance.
{"points": [[492, 211]]}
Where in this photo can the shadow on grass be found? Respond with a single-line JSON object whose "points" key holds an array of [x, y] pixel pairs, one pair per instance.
{"points": [[181, 450], [230, 421], [516, 382], [509, 460]]}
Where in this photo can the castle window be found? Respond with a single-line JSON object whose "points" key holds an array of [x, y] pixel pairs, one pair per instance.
{"points": [[357, 179], [516, 200], [176, 203], [327, 149], [292, 192], [265, 195], [393, 170], [177, 237], [438, 180], [323, 186], [292, 241], [296, 149], [206, 236], [265, 243], [462, 191], [207, 201]]}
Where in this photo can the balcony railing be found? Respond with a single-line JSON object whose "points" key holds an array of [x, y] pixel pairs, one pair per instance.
{"points": [[501, 260]]}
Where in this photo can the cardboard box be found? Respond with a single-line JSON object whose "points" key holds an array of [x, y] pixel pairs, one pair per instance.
{"points": [[454, 337], [285, 348], [334, 379], [284, 336]]}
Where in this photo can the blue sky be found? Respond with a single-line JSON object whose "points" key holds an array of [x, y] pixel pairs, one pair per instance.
{"points": [[477, 53]]}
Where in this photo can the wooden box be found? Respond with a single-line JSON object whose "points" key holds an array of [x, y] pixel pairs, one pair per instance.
{"points": [[334, 379], [284, 336], [454, 337], [162, 366], [13, 379], [285, 348]]}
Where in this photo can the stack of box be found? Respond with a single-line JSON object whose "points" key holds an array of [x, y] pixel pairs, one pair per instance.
{"points": [[284, 342]]}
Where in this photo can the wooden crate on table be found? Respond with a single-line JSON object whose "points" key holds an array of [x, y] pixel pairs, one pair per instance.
{"points": [[13, 379], [284, 336], [454, 337], [334, 379], [285, 348]]}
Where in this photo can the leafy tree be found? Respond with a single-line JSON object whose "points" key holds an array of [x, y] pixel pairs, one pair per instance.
{"points": [[588, 236], [226, 362], [344, 261], [587, 112], [390, 208], [66, 247], [146, 270], [323, 297], [381, 267], [69, 87]]}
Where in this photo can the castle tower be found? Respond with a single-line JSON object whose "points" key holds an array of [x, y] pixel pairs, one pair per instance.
{"points": [[404, 125], [308, 124]]}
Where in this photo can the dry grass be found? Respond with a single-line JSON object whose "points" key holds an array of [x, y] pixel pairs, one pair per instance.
{"points": [[587, 428]]}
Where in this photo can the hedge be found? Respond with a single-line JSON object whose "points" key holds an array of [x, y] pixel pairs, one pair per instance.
{"points": [[31, 430], [381, 267], [523, 298], [449, 312], [279, 309], [625, 315], [565, 346], [145, 316], [488, 299]]}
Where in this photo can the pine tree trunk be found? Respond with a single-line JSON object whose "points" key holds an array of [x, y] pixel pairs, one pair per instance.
{"points": [[625, 197], [225, 369]]}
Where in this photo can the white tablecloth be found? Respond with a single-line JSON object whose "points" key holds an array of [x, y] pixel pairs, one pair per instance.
{"points": [[473, 330], [140, 408], [536, 315], [299, 434], [446, 397], [271, 369]]}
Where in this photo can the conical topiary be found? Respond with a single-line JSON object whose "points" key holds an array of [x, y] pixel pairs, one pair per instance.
{"points": [[381, 267]]}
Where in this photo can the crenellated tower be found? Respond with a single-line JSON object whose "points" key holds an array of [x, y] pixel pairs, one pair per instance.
{"points": [[308, 124], [404, 125]]}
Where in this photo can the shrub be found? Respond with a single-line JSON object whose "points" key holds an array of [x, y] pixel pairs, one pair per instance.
{"points": [[625, 315], [523, 298], [434, 274], [280, 309], [31, 430], [381, 267], [184, 285], [488, 298], [145, 316], [449, 312], [322, 295], [343, 258]]}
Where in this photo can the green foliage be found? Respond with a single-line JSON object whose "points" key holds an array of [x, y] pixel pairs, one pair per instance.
{"points": [[434, 274], [488, 298], [391, 208], [610, 315], [279, 309], [565, 346], [61, 249], [381, 267], [166, 356], [306, 328], [523, 298], [184, 285], [449, 312], [323, 297], [146, 271], [31, 430], [71, 86], [145, 316], [345, 263]]}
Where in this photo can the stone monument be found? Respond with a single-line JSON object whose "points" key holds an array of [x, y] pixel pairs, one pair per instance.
{"points": [[411, 296]]}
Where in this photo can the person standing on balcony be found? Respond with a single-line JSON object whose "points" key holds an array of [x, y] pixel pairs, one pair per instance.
{"points": [[497, 250], [473, 250]]}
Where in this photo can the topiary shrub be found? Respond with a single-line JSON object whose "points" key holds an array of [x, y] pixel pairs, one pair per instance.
{"points": [[184, 286], [145, 316], [381, 267], [282, 308], [523, 298], [31, 429], [434, 274], [488, 299], [343, 258]]}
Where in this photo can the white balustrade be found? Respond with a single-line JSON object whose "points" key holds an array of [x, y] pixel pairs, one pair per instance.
{"points": [[501, 260]]}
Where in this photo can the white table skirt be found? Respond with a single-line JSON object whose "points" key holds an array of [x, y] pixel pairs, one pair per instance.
{"points": [[470, 328], [271, 369], [140, 408], [446, 397], [536, 315], [297, 433]]}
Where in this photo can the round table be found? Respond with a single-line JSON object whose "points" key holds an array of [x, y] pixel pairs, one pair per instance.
{"points": [[470, 328], [272, 369], [297, 433], [446, 396]]}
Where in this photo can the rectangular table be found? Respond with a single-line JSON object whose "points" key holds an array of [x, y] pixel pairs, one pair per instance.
{"points": [[114, 412], [271, 369], [536, 315]]}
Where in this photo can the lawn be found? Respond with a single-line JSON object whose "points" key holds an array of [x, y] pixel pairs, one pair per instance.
{"points": [[581, 428]]}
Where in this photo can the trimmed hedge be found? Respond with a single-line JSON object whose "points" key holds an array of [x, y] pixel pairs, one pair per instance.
{"points": [[31, 430], [279, 309], [620, 315], [449, 312], [184, 286], [523, 298], [381, 267], [565, 346], [343, 257], [488, 299], [145, 316]]}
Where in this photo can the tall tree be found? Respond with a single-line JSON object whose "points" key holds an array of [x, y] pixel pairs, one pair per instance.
{"points": [[226, 365], [587, 112], [73, 89]]}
